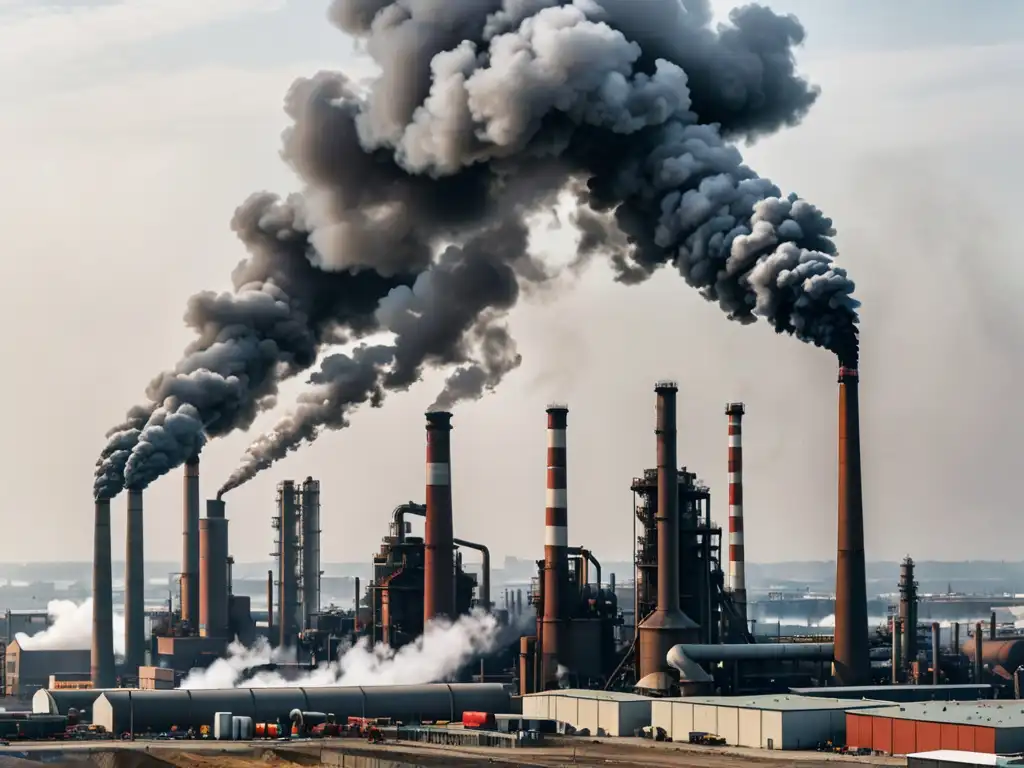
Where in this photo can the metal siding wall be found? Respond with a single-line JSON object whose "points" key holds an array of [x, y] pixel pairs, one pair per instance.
{"points": [[661, 716], [771, 728], [965, 738], [682, 720], [853, 731], [590, 715], [705, 718], [633, 715], [804, 730], [567, 710], [904, 737], [985, 740], [867, 731], [1009, 740], [837, 726], [881, 734], [535, 706], [750, 728], [929, 737], [948, 736], [729, 724]]}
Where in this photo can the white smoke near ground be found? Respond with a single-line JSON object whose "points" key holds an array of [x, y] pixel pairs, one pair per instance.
{"points": [[437, 655], [70, 629]]}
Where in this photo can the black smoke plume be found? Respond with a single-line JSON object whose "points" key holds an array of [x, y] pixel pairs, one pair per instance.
{"points": [[484, 111]]}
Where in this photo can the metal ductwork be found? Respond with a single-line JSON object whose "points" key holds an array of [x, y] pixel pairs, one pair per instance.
{"points": [[101, 665], [190, 545], [555, 643], [667, 626], [438, 563], [134, 586], [214, 607], [737, 556], [852, 660]]}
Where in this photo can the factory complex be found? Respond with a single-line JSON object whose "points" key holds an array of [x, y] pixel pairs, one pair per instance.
{"points": [[689, 670]]}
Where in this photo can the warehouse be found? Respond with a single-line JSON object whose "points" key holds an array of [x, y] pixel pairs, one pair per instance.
{"points": [[602, 713], [992, 727], [773, 721], [29, 670]]}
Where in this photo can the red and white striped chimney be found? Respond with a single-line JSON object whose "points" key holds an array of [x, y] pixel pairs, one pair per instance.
{"points": [[555, 646], [737, 578]]}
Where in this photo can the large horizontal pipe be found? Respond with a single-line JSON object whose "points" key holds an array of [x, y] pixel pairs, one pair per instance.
{"points": [[744, 651], [583, 552]]}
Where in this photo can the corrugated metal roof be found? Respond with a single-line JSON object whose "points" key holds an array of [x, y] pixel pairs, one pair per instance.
{"points": [[782, 702], [579, 693], [995, 713], [969, 758]]}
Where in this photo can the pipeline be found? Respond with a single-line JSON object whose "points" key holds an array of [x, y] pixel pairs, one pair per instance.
{"points": [[589, 556]]}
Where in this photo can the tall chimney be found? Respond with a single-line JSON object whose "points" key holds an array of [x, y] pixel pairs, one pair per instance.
{"points": [[101, 666], [979, 652], [897, 649], [737, 577], [438, 567], [936, 652], [289, 607], [270, 605], [555, 648], [134, 587], [667, 625], [908, 609], [190, 545], [852, 661], [310, 548], [359, 596], [213, 571]]}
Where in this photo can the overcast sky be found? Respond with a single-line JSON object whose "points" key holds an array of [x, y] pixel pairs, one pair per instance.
{"points": [[131, 130]]}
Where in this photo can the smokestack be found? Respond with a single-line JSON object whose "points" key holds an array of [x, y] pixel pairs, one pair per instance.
{"points": [[438, 569], [992, 626], [310, 549], [897, 665], [358, 596], [190, 545], [956, 641], [288, 600], [852, 661], [270, 605], [737, 577], [908, 609], [978, 643], [102, 661], [519, 602], [134, 587], [935, 652], [213, 571], [555, 648], [667, 625]]}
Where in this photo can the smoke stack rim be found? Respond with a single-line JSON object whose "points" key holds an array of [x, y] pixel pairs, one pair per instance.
{"points": [[666, 385], [439, 419]]}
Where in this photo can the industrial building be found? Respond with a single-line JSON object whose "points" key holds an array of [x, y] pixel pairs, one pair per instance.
{"points": [[26, 671], [948, 758], [601, 713], [993, 727], [761, 722]]}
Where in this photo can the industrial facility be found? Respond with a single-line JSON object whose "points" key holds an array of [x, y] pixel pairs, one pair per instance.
{"points": [[687, 663]]}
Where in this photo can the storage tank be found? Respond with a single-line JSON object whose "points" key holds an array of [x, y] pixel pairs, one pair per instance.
{"points": [[223, 726], [157, 711], [58, 702]]}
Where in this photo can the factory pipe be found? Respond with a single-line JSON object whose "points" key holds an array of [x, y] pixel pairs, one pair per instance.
{"points": [[978, 650], [310, 515], [956, 640], [897, 665], [747, 652], [667, 625], [358, 596], [134, 586], [852, 664], [213, 571], [555, 650], [270, 605], [737, 559], [589, 557], [438, 569], [935, 652], [190, 545], [992, 626], [102, 657]]}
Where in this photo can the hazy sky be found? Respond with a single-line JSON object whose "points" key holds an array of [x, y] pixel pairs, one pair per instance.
{"points": [[132, 129]]}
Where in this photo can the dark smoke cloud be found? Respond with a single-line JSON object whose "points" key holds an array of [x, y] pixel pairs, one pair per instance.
{"points": [[416, 192]]}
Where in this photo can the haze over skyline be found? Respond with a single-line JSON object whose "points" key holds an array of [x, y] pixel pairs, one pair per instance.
{"points": [[135, 128]]}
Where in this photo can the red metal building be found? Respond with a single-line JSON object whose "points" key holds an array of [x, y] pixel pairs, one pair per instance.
{"points": [[993, 727]]}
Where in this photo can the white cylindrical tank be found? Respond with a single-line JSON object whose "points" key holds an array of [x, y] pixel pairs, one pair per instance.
{"points": [[248, 728], [222, 726]]}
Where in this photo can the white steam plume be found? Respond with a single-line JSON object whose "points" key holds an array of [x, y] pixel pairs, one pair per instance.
{"points": [[441, 651], [70, 629]]}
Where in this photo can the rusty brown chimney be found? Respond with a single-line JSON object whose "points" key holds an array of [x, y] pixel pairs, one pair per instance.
{"points": [[438, 568], [134, 587], [555, 648], [190, 545], [213, 571], [101, 666], [667, 625], [852, 660]]}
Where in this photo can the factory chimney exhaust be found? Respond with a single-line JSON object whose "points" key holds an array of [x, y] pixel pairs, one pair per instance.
{"points": [[555, 649], [311, 572], [289, 607], [667, 626], [190, 545], [439, 549], [213, 571], [737, 576], [852, 660], [134, 586], [102, 659]]}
